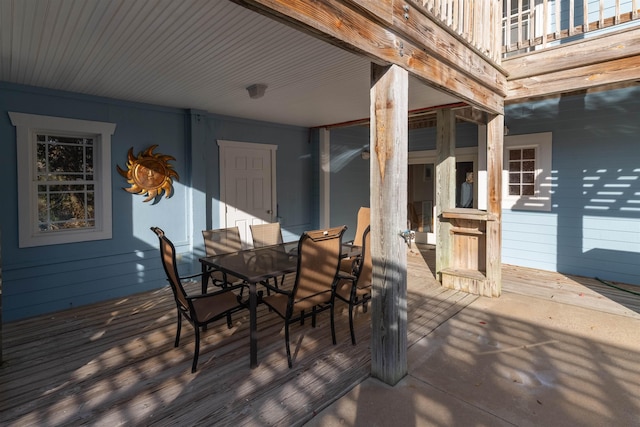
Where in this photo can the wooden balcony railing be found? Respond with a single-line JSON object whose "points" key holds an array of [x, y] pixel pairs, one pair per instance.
{"points": [[499, 29], [475, 21], [529, 25]]}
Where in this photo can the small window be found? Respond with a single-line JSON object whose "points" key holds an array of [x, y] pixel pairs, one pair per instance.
{"points": [[522, 171], [527, 172], [64, 179]]}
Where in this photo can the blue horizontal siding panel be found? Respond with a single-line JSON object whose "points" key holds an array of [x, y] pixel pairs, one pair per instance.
{"points": [[524, 258], [79, 292], [45, 279], [39, 289], [593, 228]]}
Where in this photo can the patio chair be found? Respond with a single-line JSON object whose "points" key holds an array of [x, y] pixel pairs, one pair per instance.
{"points": [[349, 264], [218, 242], [267, 234], [317, 272], [199, 310], [356, 289]]}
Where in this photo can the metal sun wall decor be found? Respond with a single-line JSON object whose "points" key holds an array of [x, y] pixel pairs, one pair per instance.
{"points": [[149, 174]]}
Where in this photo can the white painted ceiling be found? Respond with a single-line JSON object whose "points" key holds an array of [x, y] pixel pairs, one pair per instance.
{"points": [[199, 54]]}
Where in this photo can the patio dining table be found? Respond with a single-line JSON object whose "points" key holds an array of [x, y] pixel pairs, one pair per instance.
{"points": [[254, 266]]}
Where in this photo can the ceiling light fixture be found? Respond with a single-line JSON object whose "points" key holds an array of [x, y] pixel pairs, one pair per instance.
{"points": [[256, 90]]}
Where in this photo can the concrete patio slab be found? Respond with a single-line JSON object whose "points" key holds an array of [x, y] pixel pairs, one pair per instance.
{"points": [[513, 360]]}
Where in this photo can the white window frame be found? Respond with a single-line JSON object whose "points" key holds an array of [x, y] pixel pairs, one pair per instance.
{"points": [[541, 200], [27, 125]]}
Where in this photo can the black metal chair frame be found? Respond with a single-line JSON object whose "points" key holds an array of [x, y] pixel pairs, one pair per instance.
{"points": [[288, 316], [185, 303], [355, 280]]}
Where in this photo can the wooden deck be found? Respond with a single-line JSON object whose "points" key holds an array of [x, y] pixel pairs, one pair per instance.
{"points": [[114, 363]]}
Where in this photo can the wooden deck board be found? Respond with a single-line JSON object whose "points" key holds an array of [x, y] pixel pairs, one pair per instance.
{"points": [[114, 363]]}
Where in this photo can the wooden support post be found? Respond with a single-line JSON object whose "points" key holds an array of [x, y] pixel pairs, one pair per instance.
{"points": [[445, 185], [389, 162], [469, 240], [495, 153]]}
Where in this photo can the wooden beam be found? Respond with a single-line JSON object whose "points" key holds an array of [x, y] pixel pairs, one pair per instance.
{"points": [[368, 31], [580, 78], [414, 22], [389, 160], [591, 51], [607, 60], [472, 115]]}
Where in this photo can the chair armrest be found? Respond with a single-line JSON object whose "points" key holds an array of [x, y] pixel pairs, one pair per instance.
{"points": [[343, 275], [221, 291], [274, 289], [191, 276]]}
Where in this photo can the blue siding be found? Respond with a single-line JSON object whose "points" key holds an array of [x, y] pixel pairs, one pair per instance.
{"points": [[594, 226], [349, 176], [50, 278]]}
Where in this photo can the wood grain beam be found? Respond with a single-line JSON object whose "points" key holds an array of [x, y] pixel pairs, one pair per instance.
{"points": [[388, 177], [472, 115], [590, 51], [602, 61], [495, 153], [579, 78], [416, 23], [373, 29]]}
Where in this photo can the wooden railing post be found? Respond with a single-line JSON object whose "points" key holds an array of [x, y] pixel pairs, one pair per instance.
{"points": [[389, 163], [445, 185]]}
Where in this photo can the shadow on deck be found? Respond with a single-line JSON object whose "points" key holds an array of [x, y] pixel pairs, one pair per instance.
{"points": [[114, 363]]}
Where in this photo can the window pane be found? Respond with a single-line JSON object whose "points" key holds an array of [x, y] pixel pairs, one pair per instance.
{"points": [[91, 206], [43, 207], [514, 178], [528, 166], [514, 154], [527, 190], [529, 153], [66, 161], [514, 190], [63, 158], [89, 160], [514, 166], [61, 207], [528, 178], [41, 160]]}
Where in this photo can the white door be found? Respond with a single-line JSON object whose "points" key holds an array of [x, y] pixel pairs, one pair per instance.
{"points": [[247, 185]]}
